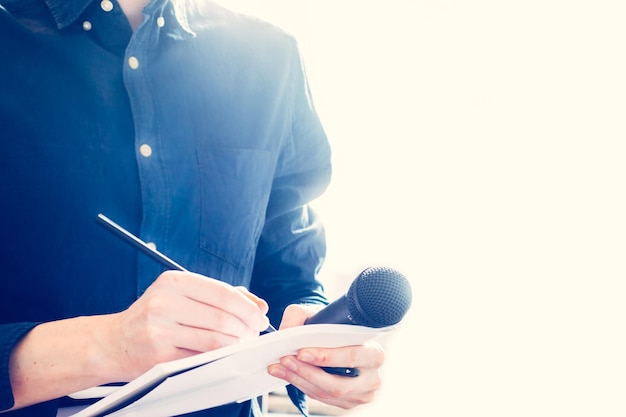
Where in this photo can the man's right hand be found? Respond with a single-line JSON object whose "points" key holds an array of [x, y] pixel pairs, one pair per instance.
{"points": [[179, 315]]}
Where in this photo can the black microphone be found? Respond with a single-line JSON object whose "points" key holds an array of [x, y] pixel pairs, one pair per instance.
{"points": [[378, 297]]}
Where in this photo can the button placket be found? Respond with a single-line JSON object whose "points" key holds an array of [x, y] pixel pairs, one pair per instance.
{"points": [[155, 187]]}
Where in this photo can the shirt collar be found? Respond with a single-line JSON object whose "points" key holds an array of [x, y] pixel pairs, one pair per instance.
{"points": [[65, 12], [178, 10]]}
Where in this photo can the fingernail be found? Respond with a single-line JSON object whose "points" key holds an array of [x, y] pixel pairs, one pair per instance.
{"points": [[290, 364], [265, 324], [277, 372], [305, 356]]}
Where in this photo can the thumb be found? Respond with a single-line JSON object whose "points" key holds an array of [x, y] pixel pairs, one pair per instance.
{"points": [[296, 314]]}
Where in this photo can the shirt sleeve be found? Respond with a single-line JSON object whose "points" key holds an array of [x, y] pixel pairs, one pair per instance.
{"points": [[292, 245], [10, 335]]}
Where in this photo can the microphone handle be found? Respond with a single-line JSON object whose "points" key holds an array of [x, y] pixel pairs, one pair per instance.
{"points": [[336, 312], [351, 372]]}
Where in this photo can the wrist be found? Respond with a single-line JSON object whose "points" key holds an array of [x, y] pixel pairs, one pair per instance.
{"points": [[101, 354]]}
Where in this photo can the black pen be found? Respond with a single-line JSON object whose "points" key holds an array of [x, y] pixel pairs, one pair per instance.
{"points": [[148, 250], [139, 244], [351, 372]]}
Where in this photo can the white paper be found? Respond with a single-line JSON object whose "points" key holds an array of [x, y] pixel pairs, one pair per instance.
{"points": [[231, 374]]}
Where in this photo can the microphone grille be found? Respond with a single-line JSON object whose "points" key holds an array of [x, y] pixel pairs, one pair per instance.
{"points": [[379, 297]]}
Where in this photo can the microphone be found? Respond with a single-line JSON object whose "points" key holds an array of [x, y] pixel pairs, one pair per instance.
{"points": [[378, 297]]}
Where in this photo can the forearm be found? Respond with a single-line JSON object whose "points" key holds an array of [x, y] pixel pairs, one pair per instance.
{"points": [[181, 314], [58, 358]]}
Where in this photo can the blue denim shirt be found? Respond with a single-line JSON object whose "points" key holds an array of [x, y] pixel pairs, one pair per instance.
{"points": [[197, 132]]}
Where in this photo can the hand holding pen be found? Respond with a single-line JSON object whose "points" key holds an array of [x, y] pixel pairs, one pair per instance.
{"points": [[164, 260], [182, 313]]}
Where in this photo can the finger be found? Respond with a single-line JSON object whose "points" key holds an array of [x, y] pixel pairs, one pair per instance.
{"points": [[175, 342], [331, 389], [196, 340], [217, 294], [260, 303], [162, 306], [296, 314], [205, 317], [364, 356]]}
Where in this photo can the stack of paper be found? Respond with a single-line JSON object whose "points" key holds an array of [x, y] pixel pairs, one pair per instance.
{"points": [[232, 374]]}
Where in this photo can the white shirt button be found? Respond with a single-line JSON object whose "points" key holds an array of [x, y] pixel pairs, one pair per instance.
{"points": [[86, 25], [160, 21], [133, 62], [106, 5], [145, 150]]}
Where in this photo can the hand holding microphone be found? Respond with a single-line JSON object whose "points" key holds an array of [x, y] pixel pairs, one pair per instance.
{"points": [[378, 297]]}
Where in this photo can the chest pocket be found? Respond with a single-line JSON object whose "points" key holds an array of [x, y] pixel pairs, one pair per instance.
{"points": [[235, 188]]}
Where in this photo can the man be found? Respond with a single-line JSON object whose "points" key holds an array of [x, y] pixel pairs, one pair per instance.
{"points": [[192, 127]]}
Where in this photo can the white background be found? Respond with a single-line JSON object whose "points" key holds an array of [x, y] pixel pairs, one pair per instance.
{"points": [[479, 147]]}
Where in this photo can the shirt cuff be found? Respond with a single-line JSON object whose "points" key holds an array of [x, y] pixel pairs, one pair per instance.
{"points": [[10, 335]]}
